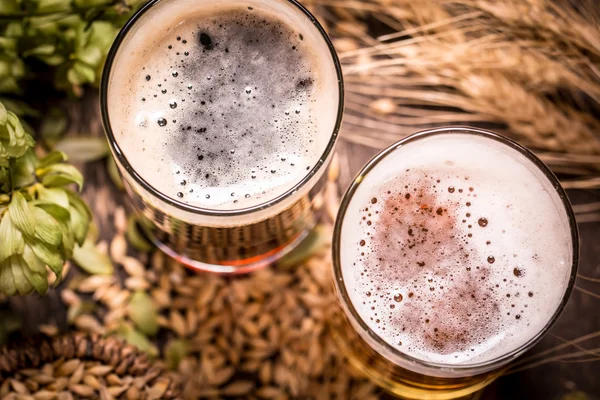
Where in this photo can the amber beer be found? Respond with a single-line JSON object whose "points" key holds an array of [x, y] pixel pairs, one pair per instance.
{"points": [[222, 118], [454, 251]]}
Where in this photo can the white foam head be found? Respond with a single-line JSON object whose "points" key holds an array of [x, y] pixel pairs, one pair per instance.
{"points": [[456, 249], [223, 105]]}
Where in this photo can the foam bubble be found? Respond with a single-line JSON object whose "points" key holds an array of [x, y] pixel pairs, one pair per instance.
{"points": [[455, 249], [236, 100]]}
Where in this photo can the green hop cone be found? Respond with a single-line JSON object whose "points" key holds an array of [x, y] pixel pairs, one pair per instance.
{"points": [[42, 221], [31, 240], [39, 233], [14, 140]]}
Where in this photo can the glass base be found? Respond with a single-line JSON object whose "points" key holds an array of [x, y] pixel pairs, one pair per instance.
{"points": [[242, 266], [397, 381]]}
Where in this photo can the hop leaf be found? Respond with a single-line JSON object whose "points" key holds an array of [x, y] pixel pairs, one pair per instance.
{"points": [[9, 6], [89, 258], [35, 271], [12, 238], [83, 148], [20, 214], [12, 69], [53, 125], [47, 228], [60, 175], [175, 351], [14, 140], [52, 158], [57, 196], [46, 6], [91, 47], [80, 217], [24, 167], [62, 216], [71, 37], [138, 339], [143, 313]]}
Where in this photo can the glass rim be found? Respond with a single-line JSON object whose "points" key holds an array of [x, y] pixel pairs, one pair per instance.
{"points": [[122, 159], [342, 293]]}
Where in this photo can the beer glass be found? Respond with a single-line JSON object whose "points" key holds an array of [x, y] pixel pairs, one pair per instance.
{"points": [[385, 357], [233, 239]]}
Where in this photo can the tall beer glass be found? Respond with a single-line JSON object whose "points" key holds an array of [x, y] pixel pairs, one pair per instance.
{"points": [[222, 118], [454, 251]]}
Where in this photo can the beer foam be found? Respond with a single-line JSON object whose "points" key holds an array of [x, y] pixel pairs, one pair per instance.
{"points": [[223, 106], [455, 249]]}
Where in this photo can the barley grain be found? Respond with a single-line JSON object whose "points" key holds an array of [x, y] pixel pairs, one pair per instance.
{"points": [[118, 248], [102, 247], [120, 220], [68, 367], [157, 390], [94, 282], [18, 387], [91, 381], [117, 391], [238, 388], [48, 330], [76, 375], [89, 324], [133, 393], [44, 395], [100, 370], [82, 390], [178, 323], [65, 396], [133, 267]]}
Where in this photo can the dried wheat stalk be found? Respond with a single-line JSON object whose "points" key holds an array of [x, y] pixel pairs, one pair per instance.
{"points": [[530, 68]]}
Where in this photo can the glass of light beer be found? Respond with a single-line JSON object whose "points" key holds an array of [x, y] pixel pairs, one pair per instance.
{"points": [[222, 118], [454, 251]]}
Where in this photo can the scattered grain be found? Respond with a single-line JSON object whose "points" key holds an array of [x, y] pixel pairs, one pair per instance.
{"points": [[118, 248], [120, 220]]}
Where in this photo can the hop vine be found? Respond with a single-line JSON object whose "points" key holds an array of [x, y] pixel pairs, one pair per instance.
{"points": [[64, 41]]}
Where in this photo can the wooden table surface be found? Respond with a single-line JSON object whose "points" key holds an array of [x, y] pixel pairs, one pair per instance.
{"points": [[548, 381]]}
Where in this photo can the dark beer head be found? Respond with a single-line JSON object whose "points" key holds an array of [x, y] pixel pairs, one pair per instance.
{"points": [[223, 106]]}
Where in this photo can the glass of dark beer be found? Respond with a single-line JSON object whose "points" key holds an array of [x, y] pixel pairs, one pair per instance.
{"points": [[454, 251], [222, 118]]}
